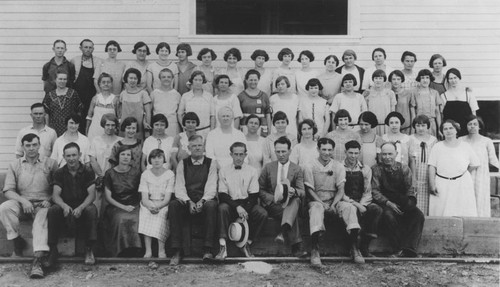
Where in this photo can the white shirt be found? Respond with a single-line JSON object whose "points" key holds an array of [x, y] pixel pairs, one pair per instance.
{"points": [[238, 183], [47, 137]]}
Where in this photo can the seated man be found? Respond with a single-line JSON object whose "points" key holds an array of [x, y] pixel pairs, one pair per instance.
{"points": [[27, 187], [238, 194], [281, 189], [195, 190], [358, 192], [392, 189], [324, 180], [74, 194]]}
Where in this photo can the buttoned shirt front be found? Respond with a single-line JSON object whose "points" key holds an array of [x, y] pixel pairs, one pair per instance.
{"points": [[238, 183], [47, 137], [324, 179]]}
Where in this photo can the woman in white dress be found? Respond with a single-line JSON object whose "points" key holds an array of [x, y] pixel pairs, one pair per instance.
{"points": [[156, 188], [260, 57], [378, 57], [180, 151], [255, 143], [306, 151], [342, 134], [315, 107], [154, 68], [225, 98], [286, 102], [485, 150], [330, 79], [394, 121], [285, 56], [306, 73], [111, 66], [450, 182], [235, 73], [141, 51], [101, 104], [206, 56], [158, 140]]}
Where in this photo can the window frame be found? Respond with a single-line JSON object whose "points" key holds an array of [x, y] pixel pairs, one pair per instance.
{"points": [[187, 30]]}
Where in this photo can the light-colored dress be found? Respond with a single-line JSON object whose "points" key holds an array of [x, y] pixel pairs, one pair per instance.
{"points": [[402, 146], [367, 78], [101, 151], [202, 106], [290, 74], [256, 153], [314, 108], [209, 76], [381, 103], [425, 102], [157, 187], [165, 145], [167, 103], [331, 85], [154, 68], [370, 150], [455, 197], [238, 85], [142, 68], [266, 81], [58, 149], [420, 151], [290, 106], [301, 79], [232, 102], [115, 69], [410, 80], [304, 156], [132, 105], [354, 104], [218, 143], [340, 139], [404, 101], [481, 176], [102, 106]]}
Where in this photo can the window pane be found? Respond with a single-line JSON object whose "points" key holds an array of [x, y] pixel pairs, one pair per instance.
{"points": [[271, 17]]}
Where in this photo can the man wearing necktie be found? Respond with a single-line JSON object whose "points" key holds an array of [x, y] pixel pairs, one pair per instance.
{"points": [[238, 195], [281, 189]]}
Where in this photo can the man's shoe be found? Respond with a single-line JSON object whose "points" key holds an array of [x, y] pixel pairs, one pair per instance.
{"points": [[89, 257], [397, 254], [246, 251], [315, 258], [19, 245], [364, 246], [176, 258], [36, 271], [407, 253], [279, 238], [297, 250], [356, 256], [51, 259], [207, 255], [221, 256]]}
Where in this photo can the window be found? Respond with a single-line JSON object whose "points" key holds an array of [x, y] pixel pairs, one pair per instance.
{"points": [[271, 17]]}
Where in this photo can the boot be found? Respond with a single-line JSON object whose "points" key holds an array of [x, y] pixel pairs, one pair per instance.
{"points": [[19, 245], [364, 246]]}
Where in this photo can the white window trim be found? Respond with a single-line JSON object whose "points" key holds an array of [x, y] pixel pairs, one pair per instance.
{"points": [[187, 30]]}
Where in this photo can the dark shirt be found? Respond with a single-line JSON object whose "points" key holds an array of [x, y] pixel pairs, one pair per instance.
{"points": [[393, 183], [49, 73], [74, 187], [123, 185]]}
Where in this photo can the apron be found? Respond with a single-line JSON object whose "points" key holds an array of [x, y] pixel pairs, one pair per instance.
{"points": [[100, 109], [458, 111], [354, 185], [84, 86]]}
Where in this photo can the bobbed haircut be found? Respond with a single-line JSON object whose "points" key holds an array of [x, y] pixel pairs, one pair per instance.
{"points": [[379, 74], [134, 71], [285, 51], [368, 117], [310, 123], [434, 57], [109, 117], [348, 77], [349, 52], [122, 148], [206, 51], [408, 54], [425, 72], [332, 57], [238, 144], [252, 72], [420, 120], [325, 141], [342, 113], [71, 145], [75, 117], [259, 53], [452, 122], [252, 116], [102, 76], [306, 53], [195, 74], [162, 45], [352, 144], [394, 115], [282, 78], [159, 118], [141, 44], [156, 153], [184, 47], [313, 83], [278, 116], [283, 140], [127, 122], [190, 116], [29, 138], [472, 117], [112, 43], [223, 76], [378, 50], [397, 73], [233, 51], [453, 71]]}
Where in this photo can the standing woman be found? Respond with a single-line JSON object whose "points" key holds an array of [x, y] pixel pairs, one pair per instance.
{"points": [[184, 66], [207, 56], [485, 150], [154, 68], [199, 101], [342, 134], [306, 151], [135, 102], [280, 122], [61, 103], [450, 182], [285, 56], [260, 57], [255, 143], [158, 140], [403, 99], [165, 100], [141, 51], [370, 141], [421, 143], [306, 73], [71, 135], [426, 101], [129, 128], [103, 103], [348, 100], [349, 57], [286, 102], [180, 151], [394, 121], [112, 67], [409, 59], [121, 216], [330, 79], [437, 63], [378, 57], [224, 98], [380, 100], [255, 101], [459, 102], [314, 107], [235, 73]]}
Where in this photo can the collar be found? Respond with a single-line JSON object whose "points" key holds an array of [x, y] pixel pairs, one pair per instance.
{"points": [[287, 164], [32, 127], [80, 169], [396, 166], [23, 159], [53, 60], [357, 165], [197, 161]]}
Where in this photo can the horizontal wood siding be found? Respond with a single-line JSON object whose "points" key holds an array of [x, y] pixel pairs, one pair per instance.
{"points": [[466, 33]]}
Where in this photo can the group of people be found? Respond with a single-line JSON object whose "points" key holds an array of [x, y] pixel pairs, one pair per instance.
{"points": [[165, 141]]}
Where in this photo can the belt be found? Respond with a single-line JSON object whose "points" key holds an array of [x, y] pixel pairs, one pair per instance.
{"points": [[203, 128], [450, 178]]}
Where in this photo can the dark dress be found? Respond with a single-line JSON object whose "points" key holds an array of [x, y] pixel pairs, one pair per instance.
{"points": [[119, 226], [60, 107], [84, 85], [458, 111]]}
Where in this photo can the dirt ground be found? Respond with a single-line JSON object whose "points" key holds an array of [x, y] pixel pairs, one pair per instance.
{"points": [[284, 274]]}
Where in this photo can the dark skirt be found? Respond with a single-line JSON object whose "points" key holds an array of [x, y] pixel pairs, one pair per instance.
{"points": [[120, 230]]}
